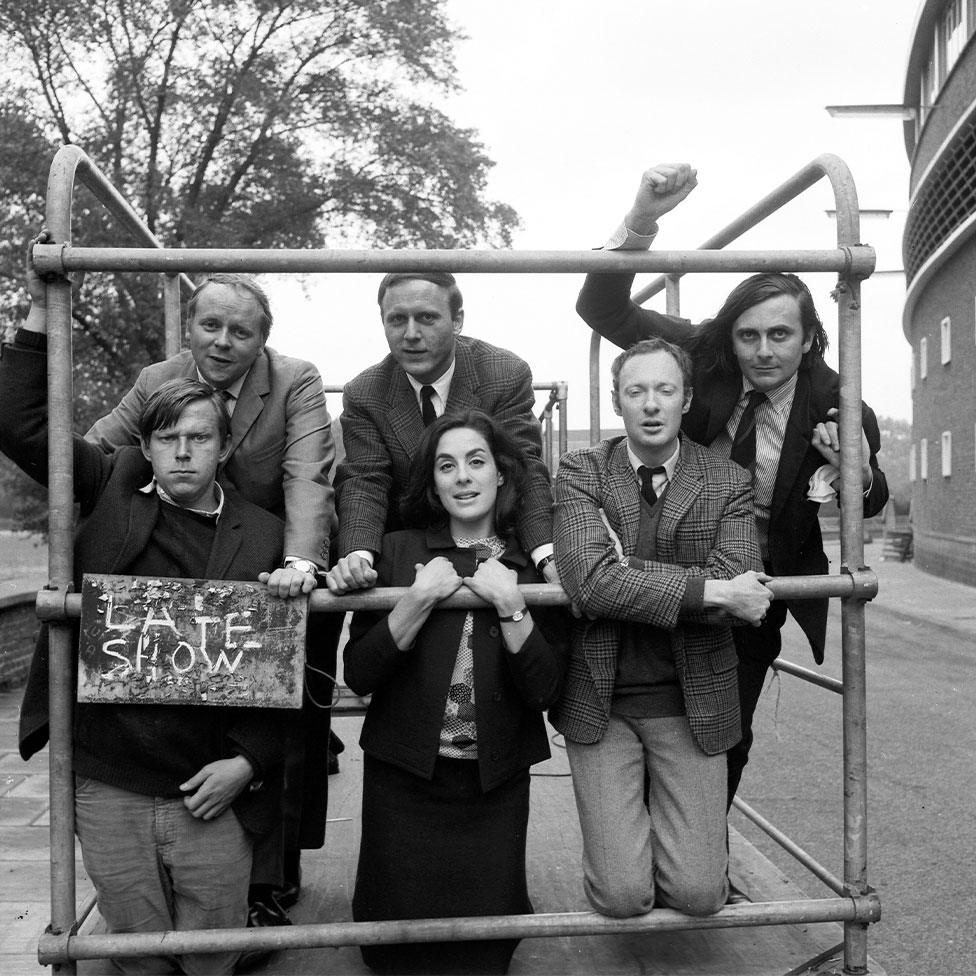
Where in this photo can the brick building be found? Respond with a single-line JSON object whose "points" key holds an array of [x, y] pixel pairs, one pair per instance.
{"points": [[940, 271]]}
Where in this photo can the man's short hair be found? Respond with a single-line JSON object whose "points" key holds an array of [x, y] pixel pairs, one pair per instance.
{"points": [[165, 406], [443, 279], [242, 282], [646, 346], [713, 351]]}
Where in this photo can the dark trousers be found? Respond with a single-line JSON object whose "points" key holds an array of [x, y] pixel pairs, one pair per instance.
{"points": [[305, 800], [757, 648]]}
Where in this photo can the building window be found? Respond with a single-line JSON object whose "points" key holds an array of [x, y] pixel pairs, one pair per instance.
{"points": [[911, 463], [954, 33], [923, 357], [923, 459], [946, 453], [945, 332]]}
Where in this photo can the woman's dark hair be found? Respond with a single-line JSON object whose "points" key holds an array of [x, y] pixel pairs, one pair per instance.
{"points": [[712, 350], [421, 508]]}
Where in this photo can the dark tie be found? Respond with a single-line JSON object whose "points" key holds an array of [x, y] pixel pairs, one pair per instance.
{"points": [[427, 410], [744, 443], [646, 476]]}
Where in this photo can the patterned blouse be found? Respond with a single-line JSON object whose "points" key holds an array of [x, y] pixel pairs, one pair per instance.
{"points": [[459, 733]]}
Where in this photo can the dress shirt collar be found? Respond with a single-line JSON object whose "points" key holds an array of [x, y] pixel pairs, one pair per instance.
{"points": [[669, 465], [442, 386], [780, 399], [213, 513], [233, 391]]}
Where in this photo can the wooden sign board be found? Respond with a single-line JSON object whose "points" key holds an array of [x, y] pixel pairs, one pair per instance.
{"points": [[193, 642]]}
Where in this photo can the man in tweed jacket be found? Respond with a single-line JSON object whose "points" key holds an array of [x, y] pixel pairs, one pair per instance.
{"points": [[656, 544], [383, 420]]}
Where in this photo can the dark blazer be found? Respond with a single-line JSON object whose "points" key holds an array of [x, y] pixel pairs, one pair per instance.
{"points": [[281, 433], [117, 522], [410, 688], [706, 530], [382, 428], [795, 543]]}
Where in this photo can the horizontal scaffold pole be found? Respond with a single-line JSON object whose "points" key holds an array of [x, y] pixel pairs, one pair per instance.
{"points": [[63, 258], [58, 605], [54, 949]]}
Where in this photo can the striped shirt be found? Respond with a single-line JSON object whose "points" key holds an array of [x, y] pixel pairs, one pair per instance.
{"points": [[771, 418]]}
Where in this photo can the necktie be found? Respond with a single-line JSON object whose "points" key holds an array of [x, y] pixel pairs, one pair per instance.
{"points": [[646, 476], [744, 443], [427, 405]]}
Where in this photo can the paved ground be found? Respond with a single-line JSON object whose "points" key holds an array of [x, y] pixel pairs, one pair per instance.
{"points": [[928, 604]]}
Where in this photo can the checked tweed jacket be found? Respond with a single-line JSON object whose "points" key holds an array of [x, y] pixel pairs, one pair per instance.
{"points": [[795, 544], [706, 530], [382, 429]]}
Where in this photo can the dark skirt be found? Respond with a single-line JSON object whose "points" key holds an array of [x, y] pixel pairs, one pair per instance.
{"points": [[441, 849]]}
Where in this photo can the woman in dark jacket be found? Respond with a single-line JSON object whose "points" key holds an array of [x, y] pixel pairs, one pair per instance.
{"points": [[455, 719]]}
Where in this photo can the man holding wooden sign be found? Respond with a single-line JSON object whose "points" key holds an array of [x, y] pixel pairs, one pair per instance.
{"points": [[168, 797]]}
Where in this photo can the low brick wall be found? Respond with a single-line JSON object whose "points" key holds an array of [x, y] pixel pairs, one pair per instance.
{"points": [[18, 631]]}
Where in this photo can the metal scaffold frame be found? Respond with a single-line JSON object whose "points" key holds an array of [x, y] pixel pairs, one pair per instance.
{"points": [[856, 904]]}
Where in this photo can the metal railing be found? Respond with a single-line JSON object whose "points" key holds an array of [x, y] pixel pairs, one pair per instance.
{"points": [[856, 906], [558, 397]]}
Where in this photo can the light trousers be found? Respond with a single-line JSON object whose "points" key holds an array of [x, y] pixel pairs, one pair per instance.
{"points": [[155, 867], [671, 852]]}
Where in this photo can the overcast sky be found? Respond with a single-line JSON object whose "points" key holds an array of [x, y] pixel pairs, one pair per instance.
{"points": [[574, 99]]}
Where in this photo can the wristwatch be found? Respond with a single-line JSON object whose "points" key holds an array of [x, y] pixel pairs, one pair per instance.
{"points": [[544, 561], [303, 566], [515, 617]]}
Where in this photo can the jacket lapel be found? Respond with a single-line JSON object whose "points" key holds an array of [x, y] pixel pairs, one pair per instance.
{"points": [[404, 413], [143, 511], [250, 403], [465, 384], [227, 542], [683, 491], [622, 497]]}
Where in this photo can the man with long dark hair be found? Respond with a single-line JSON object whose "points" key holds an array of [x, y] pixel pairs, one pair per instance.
{"points": [[765, 398]]}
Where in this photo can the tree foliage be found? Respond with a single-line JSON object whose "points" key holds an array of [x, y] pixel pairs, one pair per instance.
{"points": [[236, 123]]}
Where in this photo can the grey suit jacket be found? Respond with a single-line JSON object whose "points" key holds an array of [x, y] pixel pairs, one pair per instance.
{"points": [[282, 442], [707, 530]]}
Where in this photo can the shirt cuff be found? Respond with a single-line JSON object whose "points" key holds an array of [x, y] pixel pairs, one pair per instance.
{"points": [[363, 554], [540, 553], [624, 239]]}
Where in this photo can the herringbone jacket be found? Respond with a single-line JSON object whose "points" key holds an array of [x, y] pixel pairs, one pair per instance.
{"points": [[706, 530], [382, 428]]}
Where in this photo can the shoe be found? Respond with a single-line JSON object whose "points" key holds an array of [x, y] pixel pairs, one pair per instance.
{"points": [[287, 895], [266, 911], [736, 896]]}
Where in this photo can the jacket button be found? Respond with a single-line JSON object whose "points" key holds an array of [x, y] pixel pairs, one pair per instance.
{"points": [[493, 631], [497, 696]]}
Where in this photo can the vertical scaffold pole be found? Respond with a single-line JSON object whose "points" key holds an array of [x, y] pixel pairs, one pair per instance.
{"points": [[672, 294], [171, 306], [60, 570], [852, 621]]}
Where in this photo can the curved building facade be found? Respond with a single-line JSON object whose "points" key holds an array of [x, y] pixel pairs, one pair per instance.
{"points": [[940, 271]]}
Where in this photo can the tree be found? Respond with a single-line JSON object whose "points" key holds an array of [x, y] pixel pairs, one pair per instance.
{"points": [[235, 123]]}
